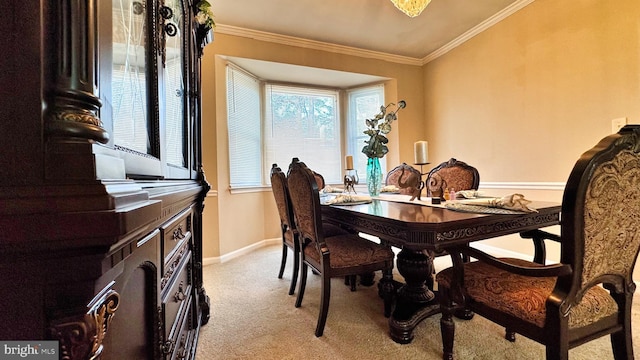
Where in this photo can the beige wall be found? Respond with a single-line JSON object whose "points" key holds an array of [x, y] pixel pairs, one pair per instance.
{"points": [[521, 102], [240, 220], [525, 98]]}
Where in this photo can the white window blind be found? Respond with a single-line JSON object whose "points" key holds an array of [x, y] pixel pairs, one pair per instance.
{"points": [[130, 128], [364, 103], [243, 110], [304, 123]]}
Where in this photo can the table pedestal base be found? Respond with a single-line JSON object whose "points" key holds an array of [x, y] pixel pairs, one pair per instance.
{"points": [[401, 327], [415, 301]]}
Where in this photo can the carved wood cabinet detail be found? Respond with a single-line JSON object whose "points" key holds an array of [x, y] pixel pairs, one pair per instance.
{"points": [[101, 179]]}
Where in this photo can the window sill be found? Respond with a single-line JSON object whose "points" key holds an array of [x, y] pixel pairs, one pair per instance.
{"points": [[249, 189]]}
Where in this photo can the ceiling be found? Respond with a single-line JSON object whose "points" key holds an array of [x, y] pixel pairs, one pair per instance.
{"points": [[365, 25]]}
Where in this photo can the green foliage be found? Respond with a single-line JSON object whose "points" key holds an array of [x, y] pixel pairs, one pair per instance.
{"points": [[204, 14], [376, 145]]}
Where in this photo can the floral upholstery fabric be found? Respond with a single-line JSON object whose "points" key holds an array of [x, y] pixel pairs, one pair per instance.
{"points": [[611, 228], [456, 178], [525, 297], [452, 175], [304, 206], [279, 188], [283, 203], [351, 250]]}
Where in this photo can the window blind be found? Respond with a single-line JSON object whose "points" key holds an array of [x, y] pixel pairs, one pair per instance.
{"points": [[303, 122], [243, 117], [364, 103]]}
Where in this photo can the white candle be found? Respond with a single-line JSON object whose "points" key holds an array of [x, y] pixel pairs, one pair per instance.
{"points": [[421, 152], [349, 161]]}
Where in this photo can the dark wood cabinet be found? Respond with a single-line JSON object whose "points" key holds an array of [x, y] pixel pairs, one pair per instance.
{"points": [[101, 181]]}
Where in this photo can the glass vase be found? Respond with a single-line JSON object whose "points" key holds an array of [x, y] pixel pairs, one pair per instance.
{"points": [[374, 176]]}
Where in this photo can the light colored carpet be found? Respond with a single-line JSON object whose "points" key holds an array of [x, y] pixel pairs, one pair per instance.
{"points": [[253, 317]]}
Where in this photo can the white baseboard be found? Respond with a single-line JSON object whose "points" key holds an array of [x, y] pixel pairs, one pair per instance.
{"points": [[240, 252]]}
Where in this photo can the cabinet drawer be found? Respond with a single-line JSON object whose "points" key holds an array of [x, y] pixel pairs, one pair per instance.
{"points": [[176, 232], [174, 265], [176, 296], [185, 337]]}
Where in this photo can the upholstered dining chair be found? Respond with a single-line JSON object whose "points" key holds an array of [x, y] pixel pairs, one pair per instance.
{"points": [[402, 174], [319, 180], [287, 225], [589, 293], [334, 256], [451, 174]]}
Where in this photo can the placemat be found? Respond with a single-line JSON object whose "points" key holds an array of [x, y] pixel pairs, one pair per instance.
{"points": [[481, 209]]}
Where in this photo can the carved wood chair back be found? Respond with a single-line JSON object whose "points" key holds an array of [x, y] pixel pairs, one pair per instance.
{"points": [[319, 180], [452, 174], [401, 174]]}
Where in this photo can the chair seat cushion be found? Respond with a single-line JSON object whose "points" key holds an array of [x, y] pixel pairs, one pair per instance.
{"points": [[525, 297], [350, 250]]}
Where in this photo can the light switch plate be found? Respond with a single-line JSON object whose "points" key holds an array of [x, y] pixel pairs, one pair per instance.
{"points": [[617, 124]]}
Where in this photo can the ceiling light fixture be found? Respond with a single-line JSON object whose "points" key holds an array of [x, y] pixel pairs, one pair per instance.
{"points": [[412, 8]]}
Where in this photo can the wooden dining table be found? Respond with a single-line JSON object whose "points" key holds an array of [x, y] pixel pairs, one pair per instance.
{"points": [[421, 231]]}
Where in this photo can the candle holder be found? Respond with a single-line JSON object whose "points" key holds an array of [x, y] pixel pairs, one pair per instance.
{"points": [[350, 180], [423, 183]]}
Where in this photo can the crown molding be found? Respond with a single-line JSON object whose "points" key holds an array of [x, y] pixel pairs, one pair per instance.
{"points": [[503, 14], [377, 55], [315, 45]]}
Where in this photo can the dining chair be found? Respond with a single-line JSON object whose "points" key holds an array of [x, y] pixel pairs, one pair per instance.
{"points": [[451, 174], [402, 174], [287, 225], [332, 256], [589, 293], [319, 180]]}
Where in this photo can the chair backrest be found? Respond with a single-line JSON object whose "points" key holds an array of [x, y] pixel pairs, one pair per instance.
{"points": [[399, 174], [305, 200], [281, 195], [600, 225], [452, 174], [319, 180]]}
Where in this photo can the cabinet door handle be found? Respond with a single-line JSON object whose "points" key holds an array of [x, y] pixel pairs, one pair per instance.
{"points": [[178, 234], [167, 346], [179, 295]]}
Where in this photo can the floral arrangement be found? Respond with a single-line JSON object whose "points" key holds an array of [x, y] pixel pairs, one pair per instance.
{"points": [[376, 145], [204, 14]]}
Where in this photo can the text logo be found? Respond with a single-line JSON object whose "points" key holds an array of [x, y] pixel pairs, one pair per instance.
{"points": [[33, 350]]}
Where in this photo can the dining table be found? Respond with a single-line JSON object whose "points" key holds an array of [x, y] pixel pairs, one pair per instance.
{"points": [[422, 230]]}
